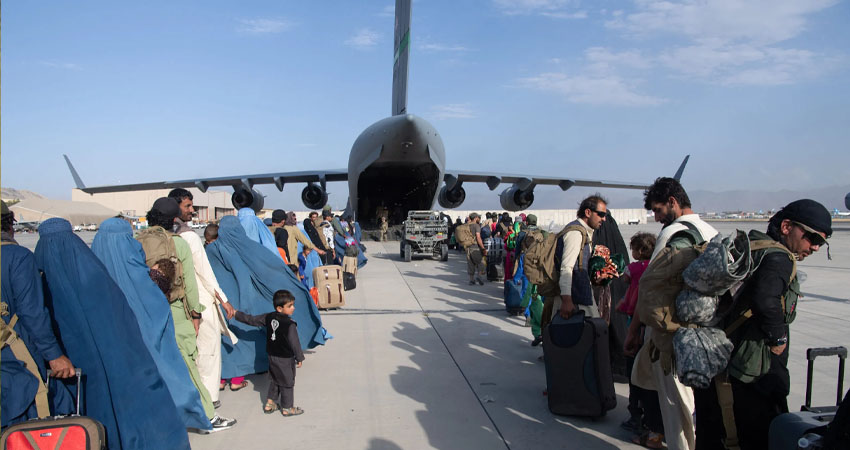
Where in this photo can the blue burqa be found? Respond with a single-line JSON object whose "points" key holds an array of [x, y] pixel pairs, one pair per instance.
{"points": [[312, 261], [122, 386], [125, 260], [250, 276], [256, 230], [22, 292]]}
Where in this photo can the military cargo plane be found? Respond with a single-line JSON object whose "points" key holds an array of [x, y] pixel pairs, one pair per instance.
{"points": [[397, 164]]}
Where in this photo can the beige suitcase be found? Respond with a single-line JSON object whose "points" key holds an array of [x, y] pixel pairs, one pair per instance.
{"points": [[328, 282], [331, 294], [349, 264], [324, 273]]}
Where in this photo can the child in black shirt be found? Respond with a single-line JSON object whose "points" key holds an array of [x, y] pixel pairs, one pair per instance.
{"points": [[284, 351]]}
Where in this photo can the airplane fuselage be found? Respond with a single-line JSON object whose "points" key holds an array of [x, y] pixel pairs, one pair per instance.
{"points": [[396, 165]]}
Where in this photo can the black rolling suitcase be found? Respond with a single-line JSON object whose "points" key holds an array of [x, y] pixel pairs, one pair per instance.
{"points": [[578, 369], [495, 272], [73, 432], [786, 430]]}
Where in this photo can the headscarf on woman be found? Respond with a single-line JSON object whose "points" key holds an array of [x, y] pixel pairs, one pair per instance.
{"points": [[249, 277], [123, 387], [256, 230], [125, 261]]}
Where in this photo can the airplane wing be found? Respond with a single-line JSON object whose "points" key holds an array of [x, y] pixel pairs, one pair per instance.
{"points": [[278, 179], [528, 182], [525, 182]]}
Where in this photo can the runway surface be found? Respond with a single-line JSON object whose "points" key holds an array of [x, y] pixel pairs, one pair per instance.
{"points": [[420, 359]]}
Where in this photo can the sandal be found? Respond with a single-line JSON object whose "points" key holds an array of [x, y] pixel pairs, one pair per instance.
{"points": [[269, 407], [649, 440], [295, 411], [238, 386], [222, 385]]}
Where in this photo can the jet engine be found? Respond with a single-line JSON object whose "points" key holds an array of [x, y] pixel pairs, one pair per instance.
{"points": [[314, 197], [451, 198], [516, 199], [244, 198], [847, 201]]}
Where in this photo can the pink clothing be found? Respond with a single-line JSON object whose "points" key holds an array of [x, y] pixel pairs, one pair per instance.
{"points": [[635, 271]]}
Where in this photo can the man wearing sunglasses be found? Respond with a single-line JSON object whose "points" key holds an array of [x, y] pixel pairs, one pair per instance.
{"points": [[802, 227], [574, 282]]}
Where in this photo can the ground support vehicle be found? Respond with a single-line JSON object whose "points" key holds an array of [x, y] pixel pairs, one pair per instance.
{"points": [[425, 234]]}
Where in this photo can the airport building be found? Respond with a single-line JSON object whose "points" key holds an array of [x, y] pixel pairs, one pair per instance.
{"points": [[210, 206]]}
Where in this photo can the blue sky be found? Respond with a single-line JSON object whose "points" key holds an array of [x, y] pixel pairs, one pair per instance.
{"points": [[756, 91]]}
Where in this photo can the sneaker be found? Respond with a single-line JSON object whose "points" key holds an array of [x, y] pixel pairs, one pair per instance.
{"points": [[472, 282], [481, 282], [216, 404], [537, 341], [221, 423]]}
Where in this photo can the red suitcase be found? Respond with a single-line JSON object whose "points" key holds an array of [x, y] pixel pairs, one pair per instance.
{"points": [[71, 432]]}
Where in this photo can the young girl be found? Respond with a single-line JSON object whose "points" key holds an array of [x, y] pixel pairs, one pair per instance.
{"points": [[645, 420], [641, 246]]}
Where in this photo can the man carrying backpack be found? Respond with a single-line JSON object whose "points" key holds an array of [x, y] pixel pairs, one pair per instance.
{"points": [[159, 242], [757, 370], [667, 199], [470, 239], [576, 248], [212, 325]]}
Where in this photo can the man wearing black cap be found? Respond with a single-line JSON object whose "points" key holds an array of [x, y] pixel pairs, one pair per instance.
{"points": [[281, 237], [759, 391]]}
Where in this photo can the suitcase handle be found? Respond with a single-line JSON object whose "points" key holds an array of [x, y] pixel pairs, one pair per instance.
{"points": [[813, 353], [79, 374]]}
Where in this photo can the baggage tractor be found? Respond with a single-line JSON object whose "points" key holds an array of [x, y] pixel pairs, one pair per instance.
{"points": [[578, 369], [787, 429], [328, 281], [513, 297], [59, 432]]}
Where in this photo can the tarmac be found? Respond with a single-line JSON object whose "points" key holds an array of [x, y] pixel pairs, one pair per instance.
{"points": [[420, 359]]}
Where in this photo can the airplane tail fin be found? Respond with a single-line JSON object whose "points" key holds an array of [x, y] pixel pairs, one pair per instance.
{"points": [[679, 172], [77, 180], [401, 43]]}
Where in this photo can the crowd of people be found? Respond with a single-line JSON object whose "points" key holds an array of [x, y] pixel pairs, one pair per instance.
{"points": [[161, 321], [663, 410]]}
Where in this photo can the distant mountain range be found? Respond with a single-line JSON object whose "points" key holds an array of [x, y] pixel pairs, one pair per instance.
{"points": [[15, 194]]}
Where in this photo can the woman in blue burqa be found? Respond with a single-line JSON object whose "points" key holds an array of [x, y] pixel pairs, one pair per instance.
{"points": [[122, 385], [250, 275], [125, 260]]}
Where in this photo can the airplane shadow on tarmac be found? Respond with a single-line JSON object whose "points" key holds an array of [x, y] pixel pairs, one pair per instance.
{"points": [[503, 372]]}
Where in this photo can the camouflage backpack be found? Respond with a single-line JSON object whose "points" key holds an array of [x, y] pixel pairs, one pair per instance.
{"points": [[158, 244]]}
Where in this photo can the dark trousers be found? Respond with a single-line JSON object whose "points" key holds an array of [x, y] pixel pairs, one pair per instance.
{"points": [[282, 381], [754, 410], [643, 402]]}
